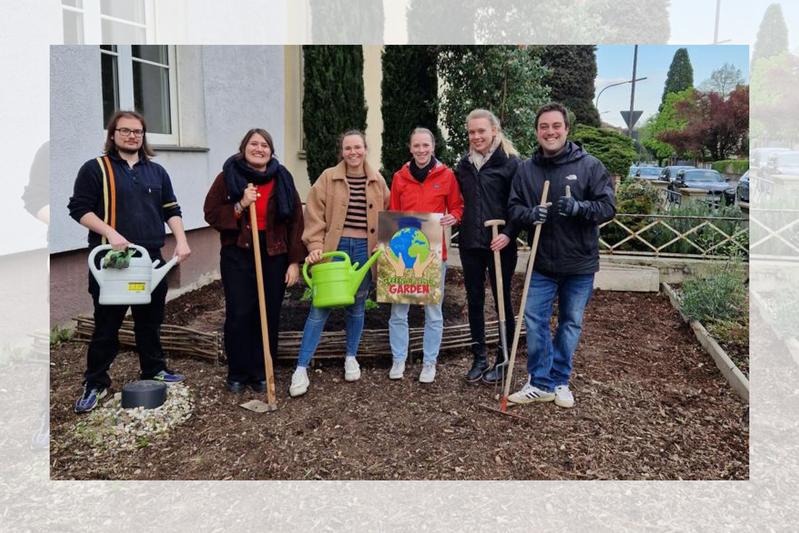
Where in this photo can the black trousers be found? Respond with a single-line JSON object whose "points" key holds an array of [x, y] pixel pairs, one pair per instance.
{"points": [[476, 262], [104, 346], [243, 343]]}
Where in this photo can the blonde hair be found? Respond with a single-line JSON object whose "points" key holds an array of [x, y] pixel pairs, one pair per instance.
{"points": [[423, 130], [504, 142]]}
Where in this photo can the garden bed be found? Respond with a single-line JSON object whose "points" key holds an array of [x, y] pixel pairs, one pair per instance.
{"points": [[650, 405]]}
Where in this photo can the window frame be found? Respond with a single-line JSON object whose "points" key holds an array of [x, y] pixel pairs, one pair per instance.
{"points": [[125, 60], [92, 19]]}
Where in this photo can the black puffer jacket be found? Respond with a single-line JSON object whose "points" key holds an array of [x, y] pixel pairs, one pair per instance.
{"points": [[568, 245], [485, 197]]}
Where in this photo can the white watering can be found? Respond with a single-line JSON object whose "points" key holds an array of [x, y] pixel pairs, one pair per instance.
{"points": [[131, 285]]}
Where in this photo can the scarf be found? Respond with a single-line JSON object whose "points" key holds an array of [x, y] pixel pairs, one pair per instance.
{"points": [[421, 173], [478, 159], [238, 174]]}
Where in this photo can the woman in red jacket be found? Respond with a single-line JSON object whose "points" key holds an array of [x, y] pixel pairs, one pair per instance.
{"points": [[423, 185], [278, 211]]}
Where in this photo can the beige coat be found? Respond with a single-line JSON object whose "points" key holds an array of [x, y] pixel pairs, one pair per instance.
{"points": [[326, 207]]}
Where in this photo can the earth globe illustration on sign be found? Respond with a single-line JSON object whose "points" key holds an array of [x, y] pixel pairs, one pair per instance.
{"points": [[409, 242]]}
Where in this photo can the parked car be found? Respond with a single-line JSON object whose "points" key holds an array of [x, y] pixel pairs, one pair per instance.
{"points": [[648, 173], [742, 190], [759, 157], [783, 164], [710, 181], [669, 173]]}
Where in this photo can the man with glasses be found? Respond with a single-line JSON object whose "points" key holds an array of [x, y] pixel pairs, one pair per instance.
{"points": [[124, 198]]}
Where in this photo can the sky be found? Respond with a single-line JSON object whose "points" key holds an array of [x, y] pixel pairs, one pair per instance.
{"points": [[615, 64]]}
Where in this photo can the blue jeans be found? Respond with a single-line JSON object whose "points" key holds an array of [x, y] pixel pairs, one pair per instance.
{"points": [[433, 328], [549, 362], [315, 324]]}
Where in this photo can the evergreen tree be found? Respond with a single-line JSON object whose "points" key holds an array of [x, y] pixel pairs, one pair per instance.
{"points": [[353, 21], [680, 76], [572, 71], [772, 36], [409, 99], [333, 101], [507, 80]]}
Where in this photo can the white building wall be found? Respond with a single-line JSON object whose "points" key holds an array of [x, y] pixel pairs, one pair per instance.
{"points": [[222, 92]]}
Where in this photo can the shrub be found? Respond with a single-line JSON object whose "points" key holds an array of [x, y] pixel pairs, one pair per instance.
{"points": [[615, 150], [59, 335], [731, 166], [716, 296]]}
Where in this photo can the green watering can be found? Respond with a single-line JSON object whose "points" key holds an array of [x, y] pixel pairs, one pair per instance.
{"points": [[335, 283]]}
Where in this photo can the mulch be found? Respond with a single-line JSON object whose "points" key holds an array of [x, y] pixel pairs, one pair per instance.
{"points": [[650, 404]]}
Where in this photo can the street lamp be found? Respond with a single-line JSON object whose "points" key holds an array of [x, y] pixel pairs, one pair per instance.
{"points": [[596, 102]]}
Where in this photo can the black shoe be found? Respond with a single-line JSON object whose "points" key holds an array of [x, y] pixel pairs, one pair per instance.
{"points": [[235, 386], [258, 386], [494, 375], [479, 365]]}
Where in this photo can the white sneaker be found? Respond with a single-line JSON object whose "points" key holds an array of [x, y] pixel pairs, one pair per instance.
{"points": [[428, 374], [299, 382], [352, 370], [397, 370], [564, 397], [530, 394]]}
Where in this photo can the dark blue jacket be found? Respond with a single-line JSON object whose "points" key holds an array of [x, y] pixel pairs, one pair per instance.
{"points": [[568, 245], [134, 201], [485, 197]]}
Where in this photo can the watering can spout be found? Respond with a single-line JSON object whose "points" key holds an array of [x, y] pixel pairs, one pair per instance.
{"points": [[360, 273], [159, 273]]}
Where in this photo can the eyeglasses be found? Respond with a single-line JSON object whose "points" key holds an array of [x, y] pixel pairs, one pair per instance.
{"points": [[127, 131]]}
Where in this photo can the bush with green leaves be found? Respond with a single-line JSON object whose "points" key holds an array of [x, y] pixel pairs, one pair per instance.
{"points": [[707, 237], [718, 295], [506, 80], [616, 151], [731, 166]]}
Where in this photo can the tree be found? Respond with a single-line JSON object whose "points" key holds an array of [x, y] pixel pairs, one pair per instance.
{"points": [[723, 80], [680, 75], [774, 102], [335, 21], [772, 36], [507, 80], [409, 99], [714, 127], [333, 101], [572, 71], [665, 120], [616, 151]]}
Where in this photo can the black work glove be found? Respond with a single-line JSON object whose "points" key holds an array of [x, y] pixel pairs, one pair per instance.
{"points": [[568, 206], [538, 214]]}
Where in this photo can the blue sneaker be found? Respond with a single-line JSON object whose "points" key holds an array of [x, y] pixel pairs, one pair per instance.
{"points": [[168, 376], [88, 400]]}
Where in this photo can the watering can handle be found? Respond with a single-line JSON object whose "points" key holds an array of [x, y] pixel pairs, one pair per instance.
{"points": [[325, 255], [103, 247]]}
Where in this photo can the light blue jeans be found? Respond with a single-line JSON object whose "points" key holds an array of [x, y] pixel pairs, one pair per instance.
{"points": [[433, 328], [549, 361], [317, 317]]}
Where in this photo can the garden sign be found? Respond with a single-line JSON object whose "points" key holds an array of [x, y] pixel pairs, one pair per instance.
{"points": [[409, 270]]}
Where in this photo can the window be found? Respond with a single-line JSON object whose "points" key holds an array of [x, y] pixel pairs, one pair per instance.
{"points": [[141, 77], [97, 21]]}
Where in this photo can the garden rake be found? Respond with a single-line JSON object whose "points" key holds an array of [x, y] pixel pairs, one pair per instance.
{"points": [[503, 403]]}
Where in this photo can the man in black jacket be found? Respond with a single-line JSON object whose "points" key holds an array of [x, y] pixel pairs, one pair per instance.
{"points": [[568, 252], [484, 175], [123, 197]]}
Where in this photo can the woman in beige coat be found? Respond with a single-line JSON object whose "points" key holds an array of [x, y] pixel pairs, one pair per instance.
{"points": [[341, 214]]}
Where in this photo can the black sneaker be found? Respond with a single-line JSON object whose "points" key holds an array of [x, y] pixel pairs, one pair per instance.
{"points": [[235, 386], [88, 400], [258, 386]]}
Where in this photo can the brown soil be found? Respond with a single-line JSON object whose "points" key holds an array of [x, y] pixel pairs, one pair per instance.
{"points": [[650, 404]]}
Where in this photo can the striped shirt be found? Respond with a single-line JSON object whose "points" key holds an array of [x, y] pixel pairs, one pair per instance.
{"points": [[356, 209]]}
